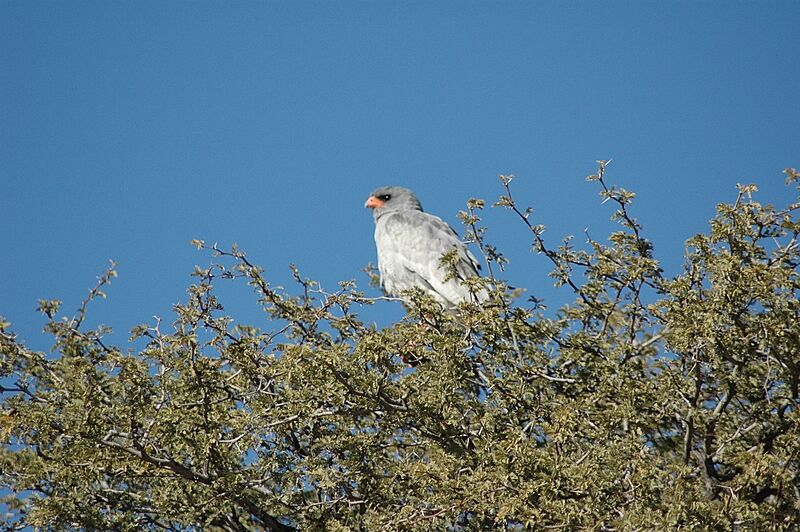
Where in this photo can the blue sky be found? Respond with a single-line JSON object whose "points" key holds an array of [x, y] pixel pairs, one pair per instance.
{"points": [[129, 128]]}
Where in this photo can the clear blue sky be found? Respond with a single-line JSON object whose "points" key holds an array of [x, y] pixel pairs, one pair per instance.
{"points": [[129, 128]]}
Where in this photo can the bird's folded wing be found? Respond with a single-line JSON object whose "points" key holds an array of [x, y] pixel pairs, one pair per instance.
{"points": [[415, 242]]}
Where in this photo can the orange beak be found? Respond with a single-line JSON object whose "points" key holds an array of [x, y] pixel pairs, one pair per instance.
{"points": [[373, 203]]}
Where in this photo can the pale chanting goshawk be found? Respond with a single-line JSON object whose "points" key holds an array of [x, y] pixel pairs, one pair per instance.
{"points": [[410, 246]]}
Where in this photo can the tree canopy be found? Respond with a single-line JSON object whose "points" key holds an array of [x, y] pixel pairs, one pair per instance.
{"points": [[649, 402]]}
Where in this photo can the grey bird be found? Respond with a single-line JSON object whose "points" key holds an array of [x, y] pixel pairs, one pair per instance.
{"points": [[410, 246]]}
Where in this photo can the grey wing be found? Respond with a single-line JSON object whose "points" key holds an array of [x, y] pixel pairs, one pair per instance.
{"points": [[410, 248]]}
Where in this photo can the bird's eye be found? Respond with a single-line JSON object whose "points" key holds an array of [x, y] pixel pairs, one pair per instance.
{"points": [[385, 197]]}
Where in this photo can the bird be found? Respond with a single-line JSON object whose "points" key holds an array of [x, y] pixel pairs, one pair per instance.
{"points": [[410, 244]]}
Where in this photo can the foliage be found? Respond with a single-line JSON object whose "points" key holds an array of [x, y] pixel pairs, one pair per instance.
{"points": [[648, 403]]}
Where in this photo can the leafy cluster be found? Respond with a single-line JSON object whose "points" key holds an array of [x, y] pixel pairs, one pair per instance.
{"points": [[647, 403]]}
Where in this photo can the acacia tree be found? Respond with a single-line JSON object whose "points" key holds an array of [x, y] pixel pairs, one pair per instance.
{"points": [[647, 403]]}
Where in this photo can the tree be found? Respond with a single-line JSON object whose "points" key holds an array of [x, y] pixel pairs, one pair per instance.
{"points": [[648, 403]]}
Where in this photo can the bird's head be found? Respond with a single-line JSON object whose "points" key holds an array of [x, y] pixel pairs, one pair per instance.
{"points": [[388, 199]]}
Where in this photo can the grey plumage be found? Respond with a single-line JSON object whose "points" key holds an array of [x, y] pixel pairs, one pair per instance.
{"points": [[410, 246]]}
